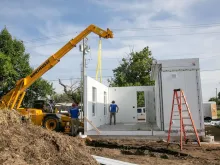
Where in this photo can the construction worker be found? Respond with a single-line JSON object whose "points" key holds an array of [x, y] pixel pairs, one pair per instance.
{"points": [[74, 113], [113, 108]]}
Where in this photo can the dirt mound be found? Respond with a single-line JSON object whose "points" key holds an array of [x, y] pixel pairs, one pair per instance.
{"points": [[22, 143]]}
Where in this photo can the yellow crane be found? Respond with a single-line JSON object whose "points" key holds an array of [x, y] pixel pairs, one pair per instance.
{"points": [[14, 98]]}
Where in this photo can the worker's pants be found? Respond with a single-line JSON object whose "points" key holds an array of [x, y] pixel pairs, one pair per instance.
{"points": [[114, 115], [74, 126]]}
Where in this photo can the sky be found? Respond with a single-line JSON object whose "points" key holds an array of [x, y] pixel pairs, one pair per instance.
{"points": [[172, 29]]}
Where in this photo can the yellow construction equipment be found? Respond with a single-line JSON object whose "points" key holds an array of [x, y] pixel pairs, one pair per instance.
{"points": [[14, 98]]}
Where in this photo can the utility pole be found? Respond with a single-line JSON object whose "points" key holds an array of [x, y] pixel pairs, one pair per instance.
{"points": [[83, 76], [216, 96], [84, 48]]}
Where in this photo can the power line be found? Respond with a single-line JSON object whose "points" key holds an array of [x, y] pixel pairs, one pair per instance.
{"points": [[169, 27], [130, 29], [76, 78], [207, 70], [106, 69], [170, 55], [120, 37]]}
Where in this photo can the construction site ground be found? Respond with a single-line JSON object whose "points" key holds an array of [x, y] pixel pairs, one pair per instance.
{"points": [[156, 152], [23, 143]]}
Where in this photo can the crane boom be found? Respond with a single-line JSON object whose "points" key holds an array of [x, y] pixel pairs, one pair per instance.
{"points": [[16, 95]]}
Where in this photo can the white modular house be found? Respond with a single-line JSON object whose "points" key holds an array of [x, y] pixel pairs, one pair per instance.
{"points": [[156, 107], [175, 74]]}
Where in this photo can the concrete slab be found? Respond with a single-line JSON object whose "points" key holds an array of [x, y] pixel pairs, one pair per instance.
{"points": [[129, 127]]}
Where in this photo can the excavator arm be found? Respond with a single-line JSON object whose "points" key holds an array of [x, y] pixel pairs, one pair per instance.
{"points": [[15, 96]]}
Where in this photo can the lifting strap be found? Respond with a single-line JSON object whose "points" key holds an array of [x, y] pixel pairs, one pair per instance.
{"points": [[99, 64]]}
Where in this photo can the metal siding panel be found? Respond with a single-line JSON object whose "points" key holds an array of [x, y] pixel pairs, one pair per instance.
{"points": [[202, 126], [187, 81], [160, 98], [191, 63], [191, 92], [157, 104]]}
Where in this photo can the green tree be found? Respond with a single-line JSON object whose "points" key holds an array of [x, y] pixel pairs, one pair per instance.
{"points": [[63, 97], [16, 66], [134, 70], [60, 98], [41, 89], [140, 99], [73, 93], [7, 73], [216, 100]]}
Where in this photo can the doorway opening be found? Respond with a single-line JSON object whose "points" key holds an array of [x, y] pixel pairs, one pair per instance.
{"points": [[141, 110]]}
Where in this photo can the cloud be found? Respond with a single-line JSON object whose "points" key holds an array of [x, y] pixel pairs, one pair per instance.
{"points": [[161, 25], [168, 43], [162, 15]]}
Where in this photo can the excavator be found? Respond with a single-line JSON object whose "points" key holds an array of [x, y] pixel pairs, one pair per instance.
{"points": [[51, 121]]}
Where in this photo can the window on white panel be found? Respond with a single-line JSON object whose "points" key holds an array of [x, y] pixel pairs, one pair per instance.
{"points": [[105, 103], [94, 99]]}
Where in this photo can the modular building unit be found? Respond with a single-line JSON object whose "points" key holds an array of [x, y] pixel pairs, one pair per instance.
{"points": [[175, 74], [168, 75]]}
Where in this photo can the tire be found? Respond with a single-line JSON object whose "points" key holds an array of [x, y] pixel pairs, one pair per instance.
{"points": [[51, 123], [207, 119]]}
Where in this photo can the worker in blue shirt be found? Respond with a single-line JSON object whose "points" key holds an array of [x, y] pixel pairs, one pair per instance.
{"points": [[74, 113], [113, 109]]}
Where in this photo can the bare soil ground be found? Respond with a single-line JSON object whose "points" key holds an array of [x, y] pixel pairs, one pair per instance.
{"points": [[148, 152], [214, 131], [24, 143]]}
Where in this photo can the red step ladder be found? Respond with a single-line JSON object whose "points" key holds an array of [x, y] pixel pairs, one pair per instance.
{"points": [[180, 98]]}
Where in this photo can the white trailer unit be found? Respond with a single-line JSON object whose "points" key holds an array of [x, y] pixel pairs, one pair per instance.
{"points": [[210, 110], [175, 74]]}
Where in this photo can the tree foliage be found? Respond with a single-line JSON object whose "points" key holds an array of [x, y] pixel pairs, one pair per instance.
{"points": [[217, 100], [71, 93], [7, 72], [134, 70], [14, 65], [61, 98], [140, 99]]}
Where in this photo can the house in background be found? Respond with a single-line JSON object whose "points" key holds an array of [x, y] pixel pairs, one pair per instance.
{"points": [[168, 75]]}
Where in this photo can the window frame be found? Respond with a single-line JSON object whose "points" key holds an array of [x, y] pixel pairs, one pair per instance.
{"points": [[105, 103], [94, 100]]}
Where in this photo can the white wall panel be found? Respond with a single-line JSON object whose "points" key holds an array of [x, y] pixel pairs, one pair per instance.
{"points": [[178, 73], [126, 98], [175, 76], [99, 118], [150, 107]]}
